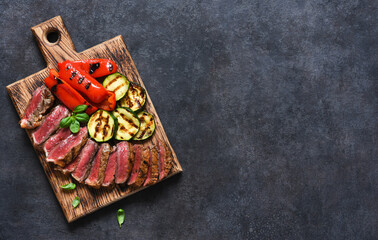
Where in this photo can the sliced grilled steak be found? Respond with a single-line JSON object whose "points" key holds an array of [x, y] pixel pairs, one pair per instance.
{"points": [[69, 168], [111, 168], [138, 160], [143, 168], [85, 159], [125, 162], [153, 169], [41, 101], [65, 151], [49, 125], [97, 173], [165, 159], [59, 136]]}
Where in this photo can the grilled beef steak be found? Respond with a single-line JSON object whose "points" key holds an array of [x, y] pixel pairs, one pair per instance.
{"points": [[137, 164], [49, 125], [69, 168], [143, 168], [84, 161], [65, 151], [153, 168], [165, 159], [111, 168], [59, 136], [40, 102], [125, 162], [97, 174]]}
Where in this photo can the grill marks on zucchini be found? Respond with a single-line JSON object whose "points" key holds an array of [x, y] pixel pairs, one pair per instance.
{"points": [[101, 126], [123, 123], [118, 84], [135, 98], [124, 117], [128, 124], [147, 126]]}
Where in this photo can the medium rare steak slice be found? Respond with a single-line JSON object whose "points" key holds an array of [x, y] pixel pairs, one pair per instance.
{"points": [[41, 101], [143, 168], [69, 168], [153, 168], [111, 168], [85, 159], [165, 159], [59, 136], [140, 167], [97, 173], [125, 162], [65, 151], [49, 125]]}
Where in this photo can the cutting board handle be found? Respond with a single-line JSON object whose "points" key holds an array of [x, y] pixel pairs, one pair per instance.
{"points": [[54, 50]]}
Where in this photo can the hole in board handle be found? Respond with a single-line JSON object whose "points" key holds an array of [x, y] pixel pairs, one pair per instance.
{"points": [[52, 36]]}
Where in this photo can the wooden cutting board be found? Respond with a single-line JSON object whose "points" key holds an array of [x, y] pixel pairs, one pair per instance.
{"points": [[21, 91]]}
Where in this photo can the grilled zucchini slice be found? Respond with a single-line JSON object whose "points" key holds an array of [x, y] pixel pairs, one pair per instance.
{"points": [[135, 98], [101, 126], [147, 126], [128, 124], [116, 83]]}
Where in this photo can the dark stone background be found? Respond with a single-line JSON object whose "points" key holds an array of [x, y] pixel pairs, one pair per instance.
{"points": [[271, 107]]}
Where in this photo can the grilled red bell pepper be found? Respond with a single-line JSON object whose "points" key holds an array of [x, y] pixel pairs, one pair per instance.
{"points": [[66, 94], [83, 82], [109, 104], [97, 67]]}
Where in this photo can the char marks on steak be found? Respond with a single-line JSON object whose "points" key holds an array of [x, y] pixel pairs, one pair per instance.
{"points": [[41, 101], [153, 168], [64, 152], [85, 159], [69, 168], [97, 173], [143, 168], [137, 163], [111, 168], [49, 125], [165, 159], [59, 136], [125, 162]]}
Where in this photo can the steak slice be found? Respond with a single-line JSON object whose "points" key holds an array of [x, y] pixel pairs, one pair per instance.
{"points": [[125, 162], [59, 136], [41, 101], [49, 125], [85, 158], [143, 168], [65, 151], [165, 159], [69, 168], [111, 168], [153, 169], [97, 173], [135, 174]]}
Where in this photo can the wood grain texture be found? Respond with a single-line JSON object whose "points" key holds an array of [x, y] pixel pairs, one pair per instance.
{"points": [[21, 91]]}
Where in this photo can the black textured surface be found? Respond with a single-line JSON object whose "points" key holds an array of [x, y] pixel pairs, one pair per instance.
{"points": [[271, 107]]}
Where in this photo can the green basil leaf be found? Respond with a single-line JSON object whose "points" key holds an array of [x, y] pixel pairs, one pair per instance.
{"points": [[120, 216], [80, 108], [82, 117], [65, 122], [75, 126], [75, 202], [69, 186]]}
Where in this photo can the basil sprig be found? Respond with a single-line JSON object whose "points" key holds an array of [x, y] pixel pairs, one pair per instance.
{"points": [[80, 108], [69, 186], [82, 117], [120, 216], [75, 202], [78, 116]]}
